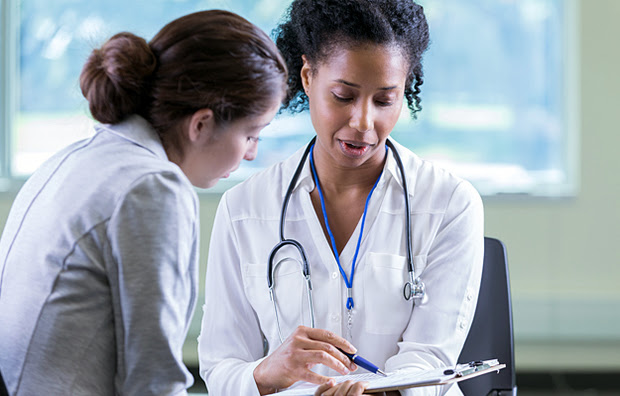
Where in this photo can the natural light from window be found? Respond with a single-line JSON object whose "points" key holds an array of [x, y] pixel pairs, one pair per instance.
{"points": [[494, 96]]}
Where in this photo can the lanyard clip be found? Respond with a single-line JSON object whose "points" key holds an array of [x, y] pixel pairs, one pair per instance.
{"points": [[350, 303]]}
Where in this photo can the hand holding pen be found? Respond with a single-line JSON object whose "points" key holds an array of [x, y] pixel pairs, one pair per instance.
{"points": [[293, 360]]}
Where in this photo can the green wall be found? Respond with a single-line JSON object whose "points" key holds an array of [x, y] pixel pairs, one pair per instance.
{"points": [[564, 254]]}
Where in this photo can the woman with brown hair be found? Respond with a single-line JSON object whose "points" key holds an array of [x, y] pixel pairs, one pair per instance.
{"points": [[98, 258]]}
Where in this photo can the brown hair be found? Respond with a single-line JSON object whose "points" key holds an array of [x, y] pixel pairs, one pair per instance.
{"points": [[210, 59]]}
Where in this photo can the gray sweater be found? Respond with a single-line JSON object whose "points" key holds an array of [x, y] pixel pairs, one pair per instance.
{"points": [[98, 270]]}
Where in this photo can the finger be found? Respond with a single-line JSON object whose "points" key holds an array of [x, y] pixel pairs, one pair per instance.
{"points": [[344, 388], [314, 357], [347, 388], [327, 385], [313, 378], [310, 344], [358, 388], [303, 333], [331, 391], [350, 388], [331, 338]]}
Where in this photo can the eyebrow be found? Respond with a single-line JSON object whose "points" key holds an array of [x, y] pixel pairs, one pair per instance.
{"points": [[350, 84]]}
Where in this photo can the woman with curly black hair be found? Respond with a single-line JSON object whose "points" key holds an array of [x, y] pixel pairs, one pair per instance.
{"points": [[365, 223]]}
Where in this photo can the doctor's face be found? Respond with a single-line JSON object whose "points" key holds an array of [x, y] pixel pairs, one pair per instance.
{"points": [[355, 97]]}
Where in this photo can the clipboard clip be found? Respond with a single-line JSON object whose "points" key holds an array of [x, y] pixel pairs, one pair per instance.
{"points": [[473, 366]]}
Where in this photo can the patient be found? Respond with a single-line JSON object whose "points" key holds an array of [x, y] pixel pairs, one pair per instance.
{"points": [[98, 258]]}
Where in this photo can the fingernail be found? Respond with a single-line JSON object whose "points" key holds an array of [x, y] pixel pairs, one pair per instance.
{"points": [[352, 366], [345, 371]]}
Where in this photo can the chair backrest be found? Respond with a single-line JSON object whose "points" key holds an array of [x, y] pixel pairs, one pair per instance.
{"points": [[3, 391], [490, 336]]}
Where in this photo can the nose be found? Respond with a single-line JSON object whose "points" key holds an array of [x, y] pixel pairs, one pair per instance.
{"points": [[250, 154], [362, 117]]}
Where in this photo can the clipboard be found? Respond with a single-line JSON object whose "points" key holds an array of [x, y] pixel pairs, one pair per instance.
{"points": [[408, 378]]}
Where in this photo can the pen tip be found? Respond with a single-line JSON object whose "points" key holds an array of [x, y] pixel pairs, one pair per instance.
{"points": [[381, 373]]}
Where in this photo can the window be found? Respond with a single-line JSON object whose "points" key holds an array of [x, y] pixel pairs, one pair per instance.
{"points": [[495, 97]]}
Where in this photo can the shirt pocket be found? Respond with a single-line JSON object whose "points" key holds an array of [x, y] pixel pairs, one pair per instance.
{"points": [[290, 295], [386, 310]]}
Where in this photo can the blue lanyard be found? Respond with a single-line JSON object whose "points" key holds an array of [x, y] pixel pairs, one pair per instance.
{"points": [[347, 281]]}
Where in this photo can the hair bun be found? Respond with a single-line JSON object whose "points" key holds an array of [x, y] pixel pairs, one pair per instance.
{"points": [[115, 79]]}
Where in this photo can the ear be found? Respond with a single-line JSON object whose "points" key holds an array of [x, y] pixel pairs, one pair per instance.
{"points": [[201, 125], [306, 74]]}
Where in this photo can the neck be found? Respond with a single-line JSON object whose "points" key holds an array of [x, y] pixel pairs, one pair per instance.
{"points": [[337, 179]]}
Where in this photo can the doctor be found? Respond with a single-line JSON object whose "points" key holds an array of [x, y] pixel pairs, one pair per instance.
{"points": [[353, 213], [98, 258]]}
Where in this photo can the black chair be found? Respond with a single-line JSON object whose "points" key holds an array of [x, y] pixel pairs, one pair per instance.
{"points": [[3, 391], [490, 336]]}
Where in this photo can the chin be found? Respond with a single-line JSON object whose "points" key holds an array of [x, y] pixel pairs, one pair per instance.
{"points": [[209, 183], [205, 183]]}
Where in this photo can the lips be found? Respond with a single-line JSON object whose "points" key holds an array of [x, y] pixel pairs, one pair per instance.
{"points": [[353, 148]]}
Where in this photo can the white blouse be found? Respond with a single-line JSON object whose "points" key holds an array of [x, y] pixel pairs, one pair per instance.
{"points": [[447, 242]]}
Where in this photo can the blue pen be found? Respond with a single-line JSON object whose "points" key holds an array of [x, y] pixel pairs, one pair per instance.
{"points": [[363, 363]]}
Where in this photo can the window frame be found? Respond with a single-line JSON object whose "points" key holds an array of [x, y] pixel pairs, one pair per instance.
{"points": [[9, 75], [572, 100]]}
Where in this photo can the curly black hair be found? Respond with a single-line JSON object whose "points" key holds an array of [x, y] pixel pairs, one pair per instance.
{"points": [[315, 28]]}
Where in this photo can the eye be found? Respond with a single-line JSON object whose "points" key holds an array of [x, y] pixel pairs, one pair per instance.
{"points": [[342, 99], [383, 103], [385, 100], [253, 139]]}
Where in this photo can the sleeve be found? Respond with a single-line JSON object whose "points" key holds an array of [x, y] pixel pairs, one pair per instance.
{"points": [[440, 322], [230, 345], [153, 237]]}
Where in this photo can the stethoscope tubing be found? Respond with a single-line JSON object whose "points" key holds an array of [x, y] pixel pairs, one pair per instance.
{"points": [[291, 186], [414, 287], [401, 167]]}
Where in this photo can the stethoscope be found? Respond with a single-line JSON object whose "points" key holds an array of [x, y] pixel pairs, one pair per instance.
{"points": [[414, 288]]}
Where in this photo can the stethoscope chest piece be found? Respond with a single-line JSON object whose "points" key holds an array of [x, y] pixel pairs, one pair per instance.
{"points": [[414, 289]]}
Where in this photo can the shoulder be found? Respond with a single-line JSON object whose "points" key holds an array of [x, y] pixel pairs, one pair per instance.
{"points": [[432, 187], [132, 169], [133, 160]]}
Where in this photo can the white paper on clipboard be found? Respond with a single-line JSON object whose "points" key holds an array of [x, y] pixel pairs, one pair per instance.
{"points": [[407, 378]]}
